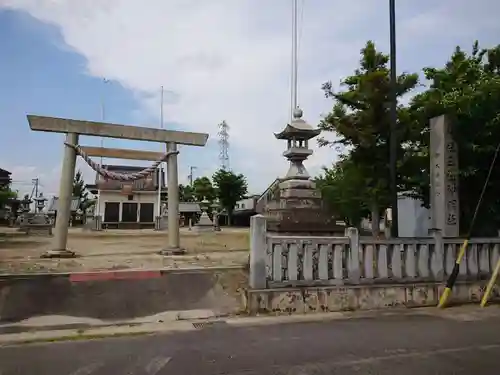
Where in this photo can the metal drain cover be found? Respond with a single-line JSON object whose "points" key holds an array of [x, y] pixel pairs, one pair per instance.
{"points": [[201, 325]]}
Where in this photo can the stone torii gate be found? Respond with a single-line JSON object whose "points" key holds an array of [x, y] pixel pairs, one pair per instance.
{"points": [[74, 128]]}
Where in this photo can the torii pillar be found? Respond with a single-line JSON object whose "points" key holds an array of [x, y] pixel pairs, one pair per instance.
{"points": [[73, 128]]}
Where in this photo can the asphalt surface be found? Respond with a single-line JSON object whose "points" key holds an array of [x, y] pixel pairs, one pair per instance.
{"points": [[410, 345]]}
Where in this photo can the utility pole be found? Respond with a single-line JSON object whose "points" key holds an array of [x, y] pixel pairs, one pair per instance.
{"points": [[103, 110], [191, 175], [294, 83], [97, 208], [35, 182], [393, 144], [160, 166]]}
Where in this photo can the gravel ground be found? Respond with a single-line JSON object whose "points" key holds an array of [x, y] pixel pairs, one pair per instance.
{"points": [[122, 249]]}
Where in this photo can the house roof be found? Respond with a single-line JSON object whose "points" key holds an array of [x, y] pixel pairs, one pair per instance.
{"points": [[189, 207], [54, 203], [92, 188], [4, 171]]}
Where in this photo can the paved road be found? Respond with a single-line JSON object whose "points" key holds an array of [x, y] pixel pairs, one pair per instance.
{"points": [[410, 345]]}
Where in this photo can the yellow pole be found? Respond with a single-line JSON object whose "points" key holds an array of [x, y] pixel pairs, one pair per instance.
{"points": [[491, 283], [453, 277]]}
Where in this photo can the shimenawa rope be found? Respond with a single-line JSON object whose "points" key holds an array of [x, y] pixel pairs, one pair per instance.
{"points": [[120, 176]]}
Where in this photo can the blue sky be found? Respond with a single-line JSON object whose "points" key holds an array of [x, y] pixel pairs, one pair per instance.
{"points": [[43, 76], [218, 60]]}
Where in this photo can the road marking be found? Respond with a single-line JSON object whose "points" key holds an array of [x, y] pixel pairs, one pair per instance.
{"points": [[327, 366], [88, 369], [156, 364], [320, 366]]}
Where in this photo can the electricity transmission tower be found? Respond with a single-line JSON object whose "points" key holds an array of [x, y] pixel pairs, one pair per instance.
{"points": [[224, 145]]}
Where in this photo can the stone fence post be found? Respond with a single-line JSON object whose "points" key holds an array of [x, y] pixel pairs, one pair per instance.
{"points": [[438, 263], [354, 248], [258, 244]]}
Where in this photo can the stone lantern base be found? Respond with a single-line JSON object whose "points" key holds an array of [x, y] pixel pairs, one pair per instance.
{"points": [[298, 210], [204, 224]]}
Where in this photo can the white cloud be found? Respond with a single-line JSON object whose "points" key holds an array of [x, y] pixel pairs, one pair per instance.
{"points": [[230, 59]]}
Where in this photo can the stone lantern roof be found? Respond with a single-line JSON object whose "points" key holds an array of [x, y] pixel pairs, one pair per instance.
{"points": [[298, 129], [297, 134]]}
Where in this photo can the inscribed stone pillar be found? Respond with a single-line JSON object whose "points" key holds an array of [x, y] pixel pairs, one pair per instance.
{"points": [[445, 209]]}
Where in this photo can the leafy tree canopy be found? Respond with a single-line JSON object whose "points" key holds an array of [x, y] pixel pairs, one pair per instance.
{"points": [[202, 189], [186, 193], [467, 89], [6, 193], [230, 188], [79, 190], [360, 119], [343, 192]]}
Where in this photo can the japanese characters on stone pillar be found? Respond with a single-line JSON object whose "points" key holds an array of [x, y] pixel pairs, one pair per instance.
{"points": [[444, 177]]}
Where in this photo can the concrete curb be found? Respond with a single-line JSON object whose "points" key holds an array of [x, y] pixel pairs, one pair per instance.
{"points": [[24, 276], [91, 333], [56, 323], [460, 313]]}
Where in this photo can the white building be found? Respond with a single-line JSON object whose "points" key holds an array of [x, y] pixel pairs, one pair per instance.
{"points": [[414, 220], [137, 207], [132, 207]]}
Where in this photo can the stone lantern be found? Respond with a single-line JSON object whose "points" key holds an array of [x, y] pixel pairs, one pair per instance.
{"points": [[297, 134], [204, 224], [39, 203], [216, 211], [297, 207]]}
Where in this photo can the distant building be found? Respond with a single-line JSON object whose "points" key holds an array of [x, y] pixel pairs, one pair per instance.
{"points": [[54, 204], [136, 206], [252, 205], [122, 206], [244, 209]]}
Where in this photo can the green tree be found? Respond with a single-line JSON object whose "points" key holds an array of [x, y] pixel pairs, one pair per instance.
{"points": [[343, 191], [468, 89], [360, 120], [203, 189], [230, 188], [80, 191], [186, 193], [6, 193]]}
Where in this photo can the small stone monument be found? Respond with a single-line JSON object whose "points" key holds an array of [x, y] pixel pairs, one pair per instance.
{"points": [[161, 221], [38, 222], [93, 222], [216, 211], [23, 211], [297, 206], [204, 224]]}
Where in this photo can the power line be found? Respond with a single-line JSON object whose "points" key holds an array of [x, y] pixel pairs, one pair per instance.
{"points": [[223, 145]]}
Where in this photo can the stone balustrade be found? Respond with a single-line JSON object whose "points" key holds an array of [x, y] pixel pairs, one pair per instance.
{"points": [[288, 261]]}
